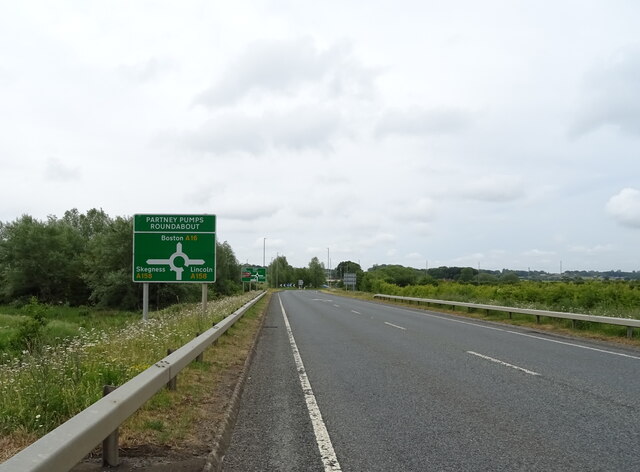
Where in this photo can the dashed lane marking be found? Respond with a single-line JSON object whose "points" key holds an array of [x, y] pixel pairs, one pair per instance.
{"points": [[395, 326], [506, 364]]}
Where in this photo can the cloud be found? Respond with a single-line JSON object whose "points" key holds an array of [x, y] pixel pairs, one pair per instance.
{"points": [[612, 96], [597, 249], [494, 188], [470, 259], [55, 170], [146, 71], [418, 211], [284, 68], [239, 210], [238, 203], [376, 239], [302, 128], [421, 122], [270, 243], [624, 207], [285, 95], [539, 253]]}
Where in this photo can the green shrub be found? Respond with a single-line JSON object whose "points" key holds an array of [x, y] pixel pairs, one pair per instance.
{"points": [[30, 333], [605, 298]]}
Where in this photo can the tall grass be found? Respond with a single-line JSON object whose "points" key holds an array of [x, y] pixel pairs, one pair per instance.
{"points": [[59, 322], [604, 298], [42, 389]]}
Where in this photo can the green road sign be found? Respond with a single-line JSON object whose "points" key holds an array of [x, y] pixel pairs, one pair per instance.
{"points": [[174, 248], [254, 274]]}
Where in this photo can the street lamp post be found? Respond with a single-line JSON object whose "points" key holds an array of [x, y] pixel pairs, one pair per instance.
{"points": [[329, 268]]}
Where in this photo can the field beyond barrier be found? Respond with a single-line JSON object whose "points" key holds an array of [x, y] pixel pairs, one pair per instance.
{"points": [[630, 323]]}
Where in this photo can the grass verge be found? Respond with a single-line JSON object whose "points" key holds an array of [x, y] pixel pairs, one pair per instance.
{"points": [[38, 393], [186, 419], [585, 329]]}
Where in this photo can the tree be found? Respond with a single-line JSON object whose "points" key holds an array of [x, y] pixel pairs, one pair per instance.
{"points": [[227, 270], [280, 272], [302, 273], [89, 225], [41, 259], [509, 277], [349, 267], [427, 280], [86, 259], [108, 266], [396, 274], [317, 275], [487, 278], [466, 275]]}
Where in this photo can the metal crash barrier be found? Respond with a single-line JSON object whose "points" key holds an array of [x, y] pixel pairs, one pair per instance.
{"points": [[69, 443]]}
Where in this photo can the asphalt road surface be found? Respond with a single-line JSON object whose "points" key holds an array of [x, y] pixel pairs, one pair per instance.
{"points": [[363, 386]]}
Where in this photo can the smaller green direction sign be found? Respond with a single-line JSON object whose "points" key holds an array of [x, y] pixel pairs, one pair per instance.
{"points": [[254, 274], [174, 248]]}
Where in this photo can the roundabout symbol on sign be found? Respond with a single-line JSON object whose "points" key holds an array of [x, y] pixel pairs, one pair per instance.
{"points": [[170, 262]]}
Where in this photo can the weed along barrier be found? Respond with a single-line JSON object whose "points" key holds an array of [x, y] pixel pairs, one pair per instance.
{"points": [[43, 388]]}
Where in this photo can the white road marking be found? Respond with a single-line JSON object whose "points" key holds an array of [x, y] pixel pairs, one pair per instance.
{"points": [[322, 300], [323, 440], [506, 364], [337, 306], [356, 312], [395, 326], [604, 351]]}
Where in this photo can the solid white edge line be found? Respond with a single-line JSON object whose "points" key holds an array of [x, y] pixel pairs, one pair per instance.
{"points": [[323, 440], [395, 326], [506, 364]]}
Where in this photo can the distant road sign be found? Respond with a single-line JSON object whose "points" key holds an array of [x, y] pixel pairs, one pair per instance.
{"points": [[349, 280], [254, 274], [174, 248]]}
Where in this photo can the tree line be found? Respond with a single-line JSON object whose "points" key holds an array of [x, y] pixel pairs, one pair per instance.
{"points": [[86, 259], [281, 273]]}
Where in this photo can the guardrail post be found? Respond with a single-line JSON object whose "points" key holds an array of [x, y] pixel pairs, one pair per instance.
{"points": [[538, 319], [110, 455], [629, 332], [199, 357], [173, 383], [214, 343]]}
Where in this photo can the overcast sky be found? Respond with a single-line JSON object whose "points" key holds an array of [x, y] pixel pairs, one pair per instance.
{"points": [[499, 134]]}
